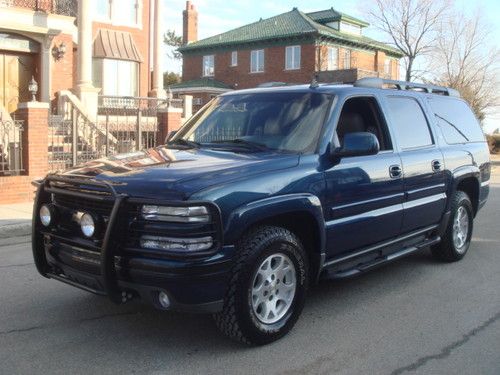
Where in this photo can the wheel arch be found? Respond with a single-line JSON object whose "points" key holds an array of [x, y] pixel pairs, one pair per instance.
{"points": [[302, 214], [468, 181]]}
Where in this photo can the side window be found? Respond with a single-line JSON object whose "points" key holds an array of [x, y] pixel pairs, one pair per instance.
{"points": [[456, 120], [362, 114], [410, 125]]}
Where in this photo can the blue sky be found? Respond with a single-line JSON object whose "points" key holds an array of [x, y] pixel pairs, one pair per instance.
{"points": [[217, 16]]}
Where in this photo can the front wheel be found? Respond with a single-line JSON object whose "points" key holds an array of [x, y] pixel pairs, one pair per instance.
{"points": [[267, 289], [456, 240]]}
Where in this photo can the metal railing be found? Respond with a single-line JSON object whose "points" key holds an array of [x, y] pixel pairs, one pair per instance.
{"points": [[11, 147], [63, 7]]}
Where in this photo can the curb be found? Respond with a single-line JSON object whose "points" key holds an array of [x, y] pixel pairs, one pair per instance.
{"points": [[15, 230]]}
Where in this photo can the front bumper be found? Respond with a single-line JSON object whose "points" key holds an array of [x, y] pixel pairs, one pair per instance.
{"points": [[105, 267]]}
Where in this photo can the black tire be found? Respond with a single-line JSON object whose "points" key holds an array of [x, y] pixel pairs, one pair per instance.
{"points": [[238, 320], [447, 250]]}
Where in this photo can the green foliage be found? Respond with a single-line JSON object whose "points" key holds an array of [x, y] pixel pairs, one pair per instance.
{"points": [[170, 78], [171, 39]]}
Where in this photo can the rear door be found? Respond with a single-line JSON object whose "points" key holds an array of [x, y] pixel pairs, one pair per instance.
{"points": [[422, 162]]}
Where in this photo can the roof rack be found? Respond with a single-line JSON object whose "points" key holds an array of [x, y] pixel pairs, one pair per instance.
{"points": [[379, 83]]}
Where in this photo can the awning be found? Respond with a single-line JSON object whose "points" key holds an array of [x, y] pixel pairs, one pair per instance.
{"points": [[112, 44]]}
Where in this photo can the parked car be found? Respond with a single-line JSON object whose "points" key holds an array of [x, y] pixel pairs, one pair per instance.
{"points": [[263, 193]]}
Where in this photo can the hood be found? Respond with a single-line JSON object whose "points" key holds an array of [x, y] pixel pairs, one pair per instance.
{"points": [[165, 173]]}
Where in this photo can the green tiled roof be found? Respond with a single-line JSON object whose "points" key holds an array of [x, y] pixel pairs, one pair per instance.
{"points": [[293, 24], [202, 82]]}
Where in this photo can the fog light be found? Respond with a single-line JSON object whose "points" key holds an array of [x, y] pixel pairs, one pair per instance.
{"points": [[164, 300], [87, 224], [47, 214]]}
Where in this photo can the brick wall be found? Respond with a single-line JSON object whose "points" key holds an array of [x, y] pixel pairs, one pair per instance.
{"points": [[312, 58], [64, 69], [15, 189], [240, 76]]}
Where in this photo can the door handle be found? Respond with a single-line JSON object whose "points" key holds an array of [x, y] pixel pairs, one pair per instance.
{"points": [[395, 171], [436, 165]]}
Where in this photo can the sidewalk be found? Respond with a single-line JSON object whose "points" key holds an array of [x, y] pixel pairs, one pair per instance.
{"points": [[15, 219]]}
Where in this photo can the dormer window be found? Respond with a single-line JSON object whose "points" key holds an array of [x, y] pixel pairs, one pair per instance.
{"points": [[350, 28]]}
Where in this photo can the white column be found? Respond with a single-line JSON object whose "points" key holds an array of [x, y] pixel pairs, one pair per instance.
{"points": [[45, 83], [84, 43], [158, 90], [84, 88]]}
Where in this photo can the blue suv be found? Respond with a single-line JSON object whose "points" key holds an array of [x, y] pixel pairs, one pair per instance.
{"points": [[264, 192]]}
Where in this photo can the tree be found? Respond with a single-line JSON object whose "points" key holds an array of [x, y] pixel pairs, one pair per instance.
{"points": [[170, 78], [464, 59], [174, 41], [410, 25]]}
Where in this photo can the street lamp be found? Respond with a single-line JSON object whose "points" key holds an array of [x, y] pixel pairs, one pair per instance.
{"points": [[33, 88]]}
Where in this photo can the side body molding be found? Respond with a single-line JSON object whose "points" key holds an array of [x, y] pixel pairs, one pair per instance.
{"points": [[247, 215]]}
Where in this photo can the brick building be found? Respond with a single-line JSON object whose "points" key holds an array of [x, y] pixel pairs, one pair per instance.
{"points": [[291, 47], [99, 85], [41, 38]]}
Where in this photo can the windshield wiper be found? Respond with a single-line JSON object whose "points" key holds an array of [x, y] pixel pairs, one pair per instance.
{"points": [[184, 142], [243, 143]]}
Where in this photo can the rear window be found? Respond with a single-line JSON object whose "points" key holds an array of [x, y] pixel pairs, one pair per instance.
{"points": [[456, 120]]}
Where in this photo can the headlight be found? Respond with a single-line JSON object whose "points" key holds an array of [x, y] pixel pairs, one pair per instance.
{"points": [[194, 214], [176, 244], [46, 215], [87, 224]]}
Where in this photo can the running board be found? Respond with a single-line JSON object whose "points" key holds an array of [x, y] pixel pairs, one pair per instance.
{"points": [[330, 273]]}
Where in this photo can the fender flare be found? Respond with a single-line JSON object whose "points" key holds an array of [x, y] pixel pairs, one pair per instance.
{"points": [[249, 214], [460, 174]]}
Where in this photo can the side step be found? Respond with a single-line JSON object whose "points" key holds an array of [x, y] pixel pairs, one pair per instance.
{"points": [[338, 273]]}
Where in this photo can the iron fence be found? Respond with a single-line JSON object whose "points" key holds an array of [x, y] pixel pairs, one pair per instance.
{"points": [[63, 7], [11, 147], [123, 124]]}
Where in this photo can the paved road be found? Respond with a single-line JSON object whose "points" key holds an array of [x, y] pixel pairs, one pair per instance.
{"points": [[415, 316]]}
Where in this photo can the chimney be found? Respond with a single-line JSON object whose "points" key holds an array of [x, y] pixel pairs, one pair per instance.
{"points": [[190, 25]]}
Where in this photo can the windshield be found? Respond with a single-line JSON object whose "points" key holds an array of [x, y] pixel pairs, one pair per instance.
{"points": [[276, 121]]}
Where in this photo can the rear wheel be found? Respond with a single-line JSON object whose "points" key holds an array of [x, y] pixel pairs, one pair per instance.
{"points": [[267, 288], [456, 240]]}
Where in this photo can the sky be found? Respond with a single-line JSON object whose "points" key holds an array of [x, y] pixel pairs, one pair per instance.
{"points": [[218, 16]]}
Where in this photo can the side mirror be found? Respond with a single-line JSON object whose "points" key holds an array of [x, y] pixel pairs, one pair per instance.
{"points": [[358, 144], [170, 136]]}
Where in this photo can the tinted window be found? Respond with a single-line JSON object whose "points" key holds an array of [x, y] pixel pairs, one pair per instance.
{"points": [[456, 121], [410, 126]]}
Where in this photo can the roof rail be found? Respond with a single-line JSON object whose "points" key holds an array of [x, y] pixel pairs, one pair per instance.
{"points": [[380, 83]]}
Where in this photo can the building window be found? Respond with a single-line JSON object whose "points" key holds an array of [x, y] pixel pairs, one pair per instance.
{"points": [[116, 77], [387, 66], [197, 101], [347, 59], [292, 58], [126, 12], [208, 66], [234, 58], [103, 10], [257, 61], [333, 58]]}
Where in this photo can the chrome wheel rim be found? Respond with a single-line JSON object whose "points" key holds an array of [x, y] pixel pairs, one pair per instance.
{"points": [[460, 229], [273, 288]]}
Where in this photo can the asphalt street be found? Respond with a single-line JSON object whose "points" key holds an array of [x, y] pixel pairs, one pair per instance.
{"points": [[414, 316]]}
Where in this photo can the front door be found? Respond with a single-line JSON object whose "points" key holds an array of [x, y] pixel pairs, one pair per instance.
{"points": [[16, 71], [364, 203]]}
